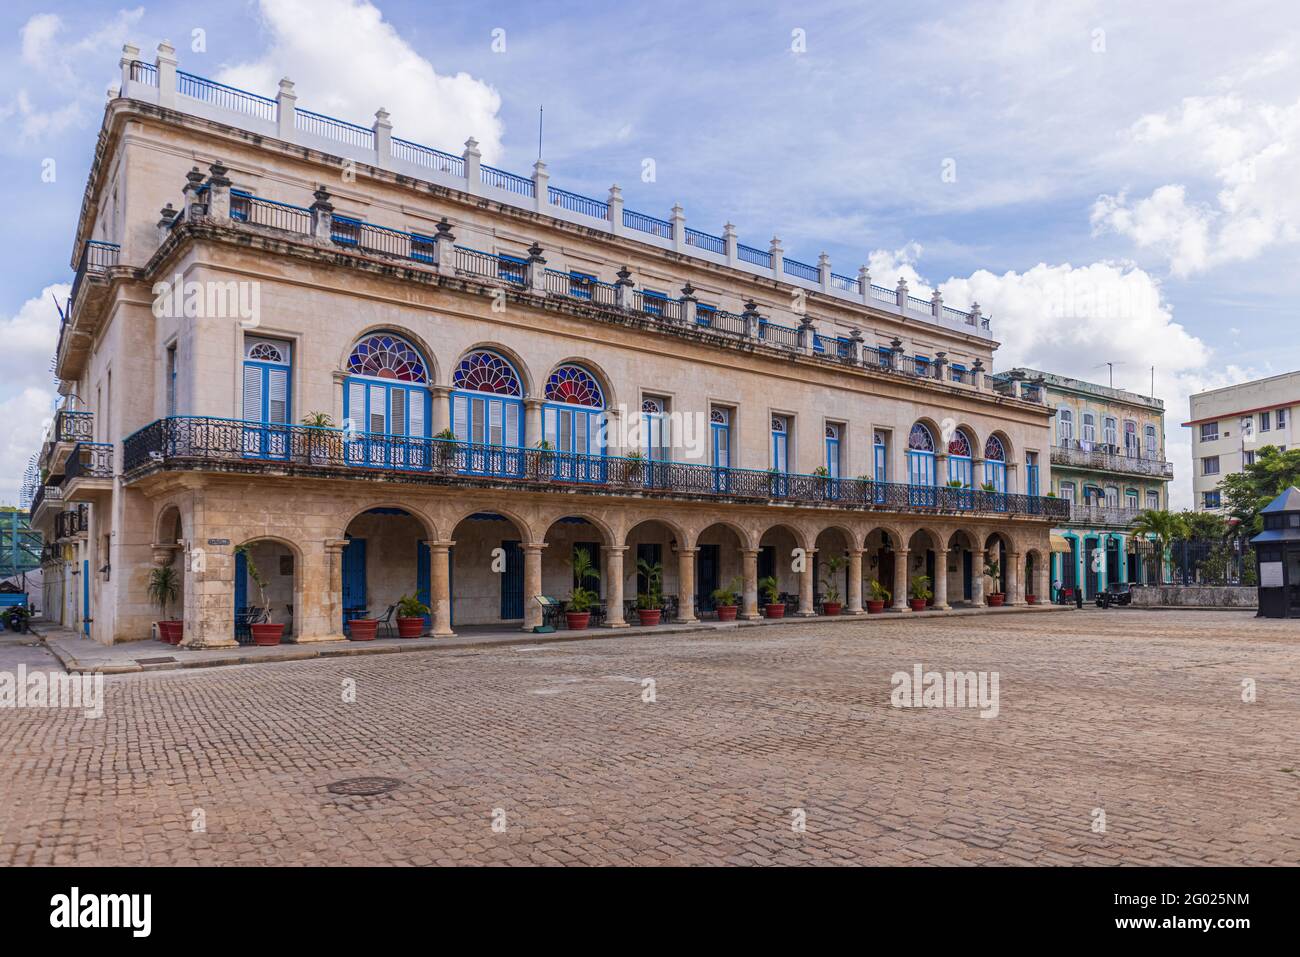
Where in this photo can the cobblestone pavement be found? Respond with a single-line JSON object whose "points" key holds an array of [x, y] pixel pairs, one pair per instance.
{"points": [[1136, 713]]}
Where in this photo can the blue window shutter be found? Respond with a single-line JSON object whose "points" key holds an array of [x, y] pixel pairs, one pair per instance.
{"points": [[252, 393]]}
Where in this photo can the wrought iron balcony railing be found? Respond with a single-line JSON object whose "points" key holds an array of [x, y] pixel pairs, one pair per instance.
{"points": [[72, 426], [71, 523], [230, 445], [47, 494], [96, 259], [1119, 515], [1110, 459], [90, 460]]}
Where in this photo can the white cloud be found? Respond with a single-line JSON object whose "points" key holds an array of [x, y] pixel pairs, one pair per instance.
{"points": [[1252, 150], [1070, 320], [347, 61], [26, 385]]}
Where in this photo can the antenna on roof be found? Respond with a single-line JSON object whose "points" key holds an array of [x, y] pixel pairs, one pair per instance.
{"points": [[1112, 366]]}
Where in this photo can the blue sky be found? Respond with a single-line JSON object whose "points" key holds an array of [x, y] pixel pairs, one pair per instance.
{"points": [[1111, 181]]}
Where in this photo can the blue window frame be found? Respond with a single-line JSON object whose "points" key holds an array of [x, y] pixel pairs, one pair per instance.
{"points": [[386, 404], [573, 424], [581, 284], [995, 464], [266, 397], [959, 468], [704, 314], [880, 453], [922, 365], [655, 438], [1031, 473], [653, 302], [780, 453], [833, 450], [511, 268], [487, 411], [720, 433], [920, 466]]}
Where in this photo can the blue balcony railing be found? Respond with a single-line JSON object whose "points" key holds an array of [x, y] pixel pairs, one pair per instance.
{"points": [[186, 442]]}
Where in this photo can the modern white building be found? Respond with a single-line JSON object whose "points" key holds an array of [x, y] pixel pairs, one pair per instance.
{"points": [[1230, 426]]}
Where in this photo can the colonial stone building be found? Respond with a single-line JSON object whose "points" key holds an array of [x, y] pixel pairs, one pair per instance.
{"points": [[392, 370]]}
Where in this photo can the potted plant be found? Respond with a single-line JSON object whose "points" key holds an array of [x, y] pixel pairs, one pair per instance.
{"points": [[635, 466], [164, 587], [773, 608], [831, 604], [880, 596], [265, 633], [577, 613], [1031, 599], [650, 603], [410, 616], [318, 442], [727, 600], [993, 569], [445, 446], [920, 591]]}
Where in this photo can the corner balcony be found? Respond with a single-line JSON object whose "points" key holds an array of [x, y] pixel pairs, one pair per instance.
{"points": [[89, 473], [188, 443], [45, 503], [69, 429], [89, 290], [1110, 458]]}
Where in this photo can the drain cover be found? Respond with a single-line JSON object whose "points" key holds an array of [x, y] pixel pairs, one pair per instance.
{"points": [[153, 661], [364, 786]]}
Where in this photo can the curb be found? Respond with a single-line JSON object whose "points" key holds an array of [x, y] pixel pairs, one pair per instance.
{"points": [[346, 649]]}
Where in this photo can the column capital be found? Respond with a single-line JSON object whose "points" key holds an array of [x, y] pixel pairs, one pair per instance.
{"points": [[856, 551], [614, 549], [533, 546], [336, 544], [533, 402], [752, 552], [438, 544]]}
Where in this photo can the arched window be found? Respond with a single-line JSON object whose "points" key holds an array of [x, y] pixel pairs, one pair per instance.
{"points": [[959, 458], [266, 396], [386, 403], [995, 464], [920, 465], [833, 450], [1064, 426], [720, 430], [573, 421], [487, 411], [780, 443], [654, 428]]}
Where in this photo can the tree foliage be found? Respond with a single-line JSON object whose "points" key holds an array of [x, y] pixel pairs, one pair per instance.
{"points": [[1248, 491]]}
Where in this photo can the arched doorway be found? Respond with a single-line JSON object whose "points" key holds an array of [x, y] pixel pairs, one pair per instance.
{"points": [[385, 560], [997, 553], [267, 587], [719, 564], [656, 571], [487, 568], [831, 568], [879, 573], [777, 560], [922, 549], [966, 563], [567, 540]]}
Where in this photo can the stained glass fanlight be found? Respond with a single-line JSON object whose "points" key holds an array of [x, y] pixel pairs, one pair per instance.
{"points": [[484, 371], [994, 451], [920, 439], [959, 444], [574, 385], [385, 356], [718, 416]]}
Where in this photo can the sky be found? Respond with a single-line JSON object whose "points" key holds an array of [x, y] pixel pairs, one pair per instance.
{"points": [[1112, 182]]}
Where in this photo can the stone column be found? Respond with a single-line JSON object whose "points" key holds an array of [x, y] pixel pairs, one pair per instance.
{"points": [[440, 587], [614, 585], [286, 108], [686, 584], [209, 598], [334, 583], [532, 584], [1015, 587], [749, 598], [165, 63], [441, 402], [616, 209], [900, 579], [977, 577], [941, 579], [855, 581], [806, 607], [532, 422]]}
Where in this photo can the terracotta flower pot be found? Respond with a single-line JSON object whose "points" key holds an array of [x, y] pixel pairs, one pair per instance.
{"points": [[363, 629], [410, 627], [1031, 599], [916, 604], [995, 600], [171, 631], [774, 611], [875, 607], [727, 612], [649, 616], [832, 607], [266, 634], [577, 620]]}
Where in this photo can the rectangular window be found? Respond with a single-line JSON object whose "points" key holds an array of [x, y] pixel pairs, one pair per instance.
{"points": [[1281, 418], [580, 284], [1248, 457], [653, 302], [1209, 431], [922, 365], [1153, 499], [1210, 465], [170, 373], [1211, 499], [1067, 491], [1264, 422], [704, 314]]}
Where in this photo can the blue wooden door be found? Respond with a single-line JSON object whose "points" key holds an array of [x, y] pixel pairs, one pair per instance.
{"points": [[706, 578], [423, 579], [512, 582], [241, 581], [354, 575], [967, 575], [85, 596]]}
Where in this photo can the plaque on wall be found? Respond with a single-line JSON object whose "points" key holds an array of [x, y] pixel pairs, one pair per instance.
{"points": [[1270, 574]]}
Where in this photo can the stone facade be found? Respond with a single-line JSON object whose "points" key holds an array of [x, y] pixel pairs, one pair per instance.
{"points": [[207, 452]]}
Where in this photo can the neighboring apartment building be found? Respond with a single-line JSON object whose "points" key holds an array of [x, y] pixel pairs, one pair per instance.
{"points": [[1108, 462], [1230, 425], [518, 371]]}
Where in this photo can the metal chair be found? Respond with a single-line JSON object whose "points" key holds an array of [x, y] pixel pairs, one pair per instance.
{"points": [[386, 620]]}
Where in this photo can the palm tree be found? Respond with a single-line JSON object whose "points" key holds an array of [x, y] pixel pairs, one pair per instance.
{"points": [[1162, 527]]}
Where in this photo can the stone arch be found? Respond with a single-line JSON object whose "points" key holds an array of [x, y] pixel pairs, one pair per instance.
{"points": [[169, 525], [597, 371], [527, 385], [1007, 446], [430, 527], [933, 538], [276, 591], [432, 366], [746, 536], [607, 535], [802, 537], [680, 532], [523, 526], [894, 535]]}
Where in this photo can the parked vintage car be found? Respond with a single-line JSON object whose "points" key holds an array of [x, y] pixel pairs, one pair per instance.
{"points": [[1116, 593]]}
